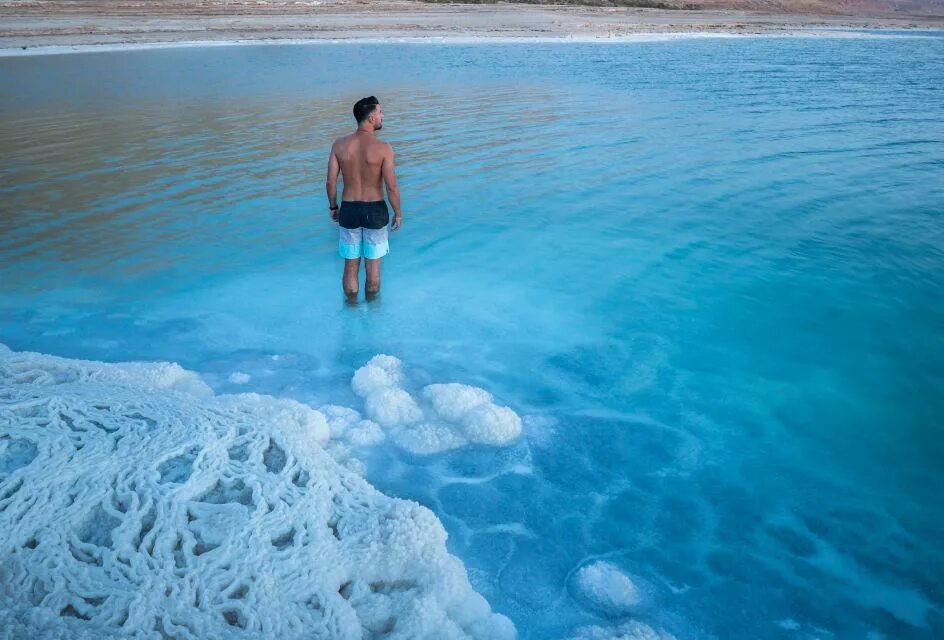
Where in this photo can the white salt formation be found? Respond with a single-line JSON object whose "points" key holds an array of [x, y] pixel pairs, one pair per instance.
{"points": [[346, 424], [607, 588], [451, 416], [135, 503]]}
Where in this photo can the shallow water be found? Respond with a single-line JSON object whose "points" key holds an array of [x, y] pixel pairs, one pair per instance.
{"points": [[708, 272]]}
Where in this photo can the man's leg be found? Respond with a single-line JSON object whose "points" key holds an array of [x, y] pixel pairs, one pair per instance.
{"points": [[352, 271], [375, 248], [373, 276], [351, 249]]}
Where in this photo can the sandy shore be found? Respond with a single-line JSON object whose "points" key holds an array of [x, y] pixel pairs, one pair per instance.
{"points": [[31, 24]]}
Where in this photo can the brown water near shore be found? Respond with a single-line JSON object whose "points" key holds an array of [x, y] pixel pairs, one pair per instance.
{"points": [[56, 22]]}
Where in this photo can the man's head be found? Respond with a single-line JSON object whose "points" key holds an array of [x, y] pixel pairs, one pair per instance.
{"points": [[367, 111]]}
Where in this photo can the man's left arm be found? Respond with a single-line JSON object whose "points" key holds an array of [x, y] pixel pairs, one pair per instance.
{"points": [[331, 184]]}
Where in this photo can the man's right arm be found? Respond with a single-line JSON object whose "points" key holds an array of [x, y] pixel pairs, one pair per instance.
{"points": [[331, 183], [393, 191]]}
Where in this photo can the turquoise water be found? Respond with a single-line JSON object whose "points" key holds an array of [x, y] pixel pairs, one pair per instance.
{"points": [[710, 273]]}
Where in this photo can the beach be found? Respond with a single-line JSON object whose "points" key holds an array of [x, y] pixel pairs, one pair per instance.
{"points": [[67, 24]]}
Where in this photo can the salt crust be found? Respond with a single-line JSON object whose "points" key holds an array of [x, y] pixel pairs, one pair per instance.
{"points": [[607, 588], [136, 503], [448, 416]]}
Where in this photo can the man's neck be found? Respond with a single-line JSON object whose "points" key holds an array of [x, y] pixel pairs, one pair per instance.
{"points": [[364, 130]]}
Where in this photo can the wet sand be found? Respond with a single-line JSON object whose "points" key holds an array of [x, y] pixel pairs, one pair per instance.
{"points": [[59, 24]]}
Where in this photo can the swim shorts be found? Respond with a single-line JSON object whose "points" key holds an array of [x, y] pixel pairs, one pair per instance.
{"points": [[363, 229]]}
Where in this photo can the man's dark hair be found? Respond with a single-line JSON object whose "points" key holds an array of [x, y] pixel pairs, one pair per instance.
{"points": [[364, 107]]}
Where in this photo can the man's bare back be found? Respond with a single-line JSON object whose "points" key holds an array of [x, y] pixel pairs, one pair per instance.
{"points": [[361, 158], [367, 166]]}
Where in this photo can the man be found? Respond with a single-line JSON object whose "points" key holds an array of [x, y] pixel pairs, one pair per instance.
{"points": [[364, 162]]}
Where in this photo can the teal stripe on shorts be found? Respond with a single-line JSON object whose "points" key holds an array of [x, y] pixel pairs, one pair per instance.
{"points": [[363, 243]]}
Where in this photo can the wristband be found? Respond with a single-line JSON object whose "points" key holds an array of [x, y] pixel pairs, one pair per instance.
{"points": [[334, 208]]}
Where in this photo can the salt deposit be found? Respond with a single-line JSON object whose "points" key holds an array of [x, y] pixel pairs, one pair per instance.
{"points": [[606, 588], [449, 416], [136, 503]]}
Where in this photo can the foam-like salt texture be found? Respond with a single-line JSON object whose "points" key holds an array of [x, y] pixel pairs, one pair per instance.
{"points": [[631, 630], [346, 423], [607, 588], [135, 503], [449, 416]]}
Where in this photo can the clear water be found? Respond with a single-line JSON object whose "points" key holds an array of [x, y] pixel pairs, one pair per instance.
{"points": [[710, 272]]}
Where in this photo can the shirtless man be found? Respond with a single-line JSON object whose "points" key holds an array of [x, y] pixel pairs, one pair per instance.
{"points": [[364, 162]]}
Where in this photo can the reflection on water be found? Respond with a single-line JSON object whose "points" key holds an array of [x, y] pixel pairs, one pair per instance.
{"points": [[142, 191], [709, 272], [176, 187]]}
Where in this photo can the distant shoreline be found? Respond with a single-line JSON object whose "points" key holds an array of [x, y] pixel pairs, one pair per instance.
{"points": [[458, 40], [53, 26]]}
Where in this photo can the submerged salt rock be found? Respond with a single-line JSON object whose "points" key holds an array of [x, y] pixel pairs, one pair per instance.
{"points": [[607, 588], [339, 419], [141, 505], [491, 424], [428, 438], [381, 372], [365, 433], [449, 416], [452, 401], [345, 423], [379, 383], [391, 407], [632, 630], [479, 419]]}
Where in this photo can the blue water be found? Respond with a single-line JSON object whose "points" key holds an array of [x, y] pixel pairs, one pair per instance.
{"points": [[709, 272]]}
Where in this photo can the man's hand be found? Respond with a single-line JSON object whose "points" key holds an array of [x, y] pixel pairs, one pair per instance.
{"points": [[335, 214], [397, 223]]}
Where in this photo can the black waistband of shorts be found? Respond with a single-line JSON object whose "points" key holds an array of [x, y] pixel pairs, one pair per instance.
{"points": [[364, 203]]}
